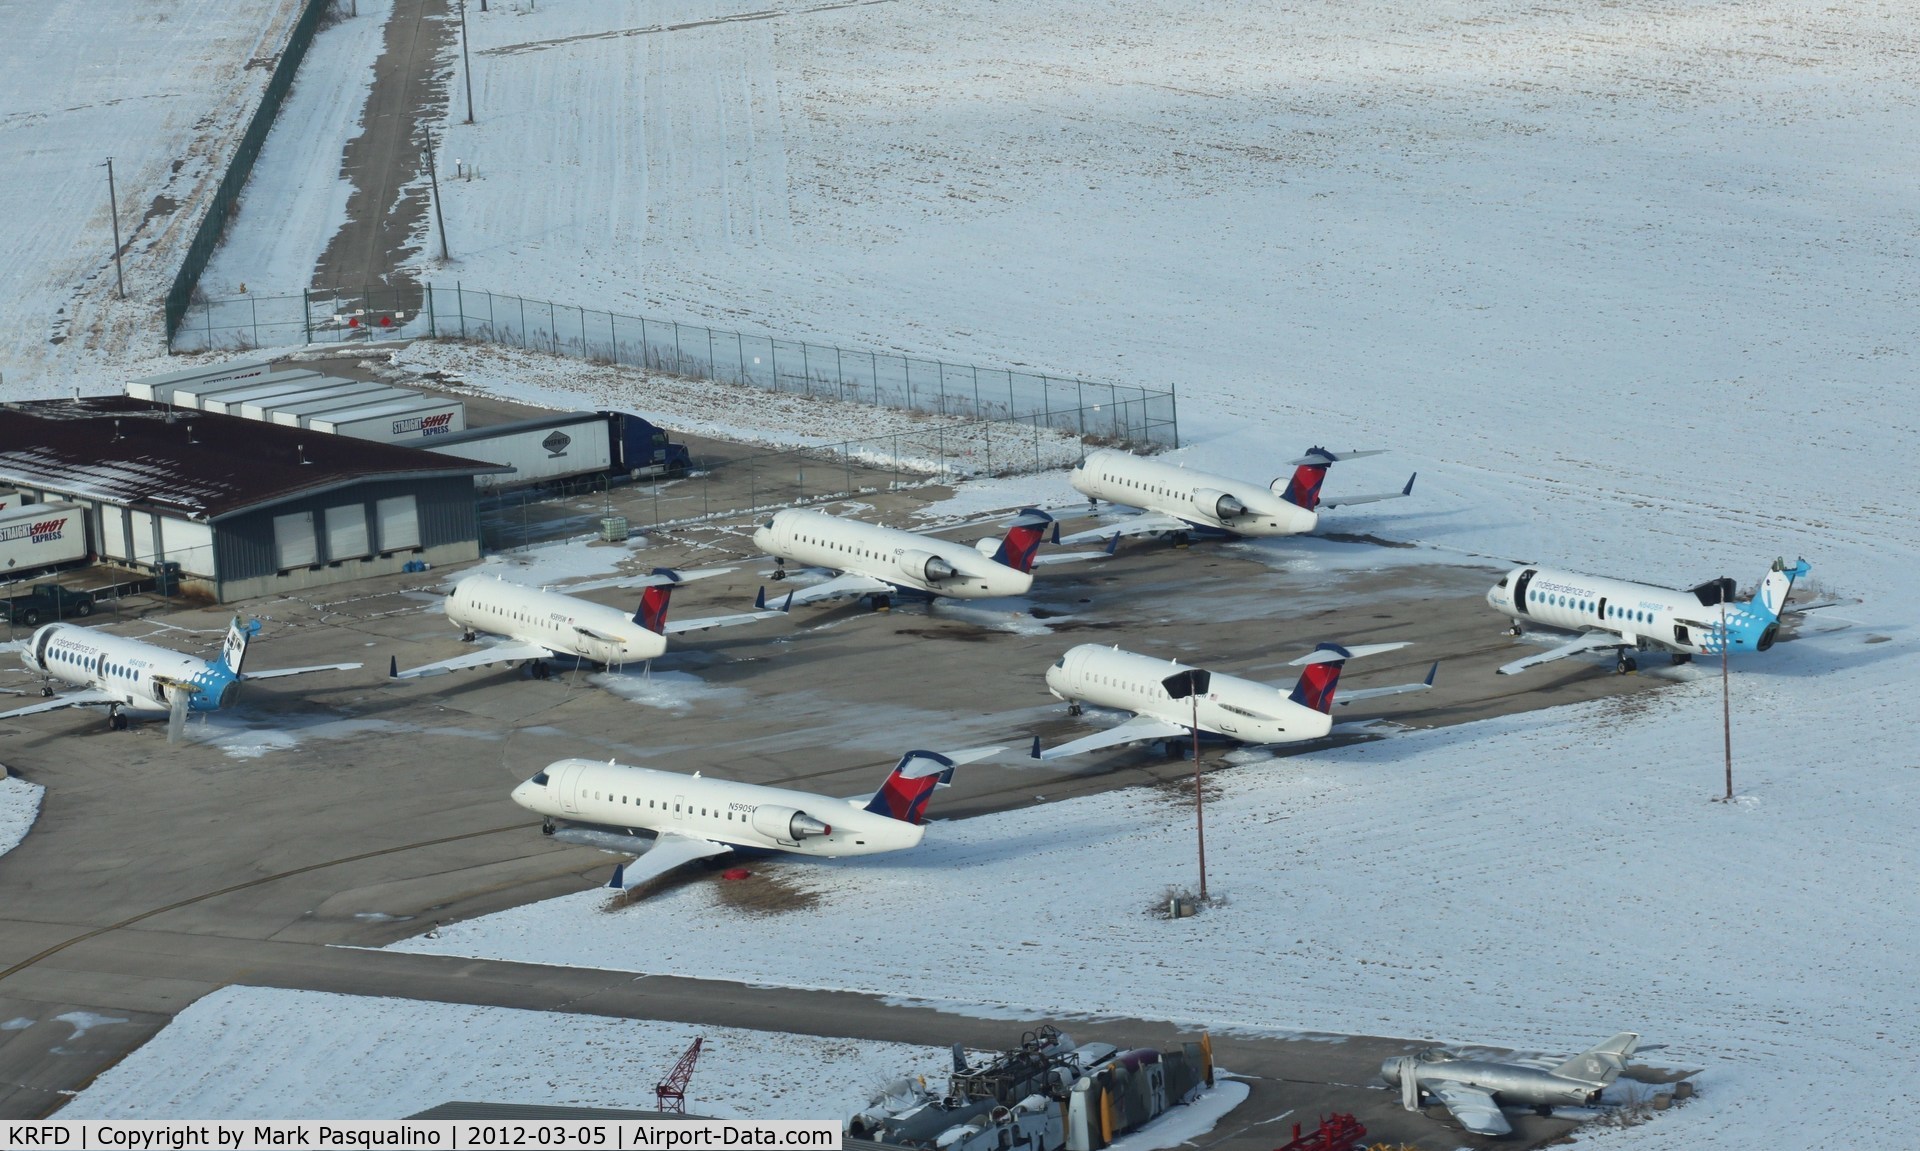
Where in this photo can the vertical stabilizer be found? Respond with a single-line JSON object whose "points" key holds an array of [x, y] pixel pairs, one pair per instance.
{"points": [[652, 613], [1310, 471], [234, 652], [1603, 1064], [1772, 595], [910, 785], [1023, 539], [1319, 677]]}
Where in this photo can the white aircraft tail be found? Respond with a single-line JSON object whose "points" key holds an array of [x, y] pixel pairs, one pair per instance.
{"points": [[1601, 1065], [234, 652], [1772, 595]]}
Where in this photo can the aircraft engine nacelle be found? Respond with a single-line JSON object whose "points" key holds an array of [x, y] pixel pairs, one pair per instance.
{"points": [[1223, 506], [1767, 635], [787, 823], [926, 566]]}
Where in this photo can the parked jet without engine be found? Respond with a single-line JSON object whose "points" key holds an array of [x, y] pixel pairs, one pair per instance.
{"points": [[1474, 1089], [1180, 500], [540, 625], [674, 819], [1240, 709], [1640, 617], [129, 677], [880, 561]]}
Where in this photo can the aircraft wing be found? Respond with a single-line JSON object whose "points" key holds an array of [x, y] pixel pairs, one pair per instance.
{"points": [[668, 852], [1591, 641], [1474, 1108], [87, 698], [1349, 501], [1397, 689], [492, 653], [282, 672], [1138, 728], [840, 587], [1144, 524]]}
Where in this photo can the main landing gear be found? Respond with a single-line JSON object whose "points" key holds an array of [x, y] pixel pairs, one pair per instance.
{"points": [[469, 637], [1626, 665], [1682, 657], [546, 827], [883, 603], [779, 569], [1074, 709], [115, 721], [1515, 629]]}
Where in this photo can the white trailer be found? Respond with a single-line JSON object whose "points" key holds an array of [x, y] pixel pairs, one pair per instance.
{"points": [[226, 398], [37, 536], [537, 450], [9, 499], [159, 389], [407, 421], [337, 397]]}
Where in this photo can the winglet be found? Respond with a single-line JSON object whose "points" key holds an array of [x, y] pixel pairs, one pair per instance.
{"points": [[1408, 490], [760, 598], [619, 875], [787, 605], [393, 667], [1035, 753], [1431, 672], [1113, 545]]}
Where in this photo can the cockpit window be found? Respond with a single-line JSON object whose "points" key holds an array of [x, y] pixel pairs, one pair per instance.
{"points": [[767, 523], [540, 779], [1061, 662], [1502, 583]]}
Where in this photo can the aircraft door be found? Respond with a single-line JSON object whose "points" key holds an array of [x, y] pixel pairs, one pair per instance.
{"points": [[679, 808], [564, 787], [1520, 591], [1600, 609], [1680, 635], [40, 643]]}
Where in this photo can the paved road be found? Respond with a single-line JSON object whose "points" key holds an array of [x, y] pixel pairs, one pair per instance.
{"points": [[406, 94]]}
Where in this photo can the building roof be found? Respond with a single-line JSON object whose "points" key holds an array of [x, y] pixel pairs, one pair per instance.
{"points": [[197, 464]]}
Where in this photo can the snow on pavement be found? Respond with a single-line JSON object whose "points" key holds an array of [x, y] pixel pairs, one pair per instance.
{"points": [[19, 806]]}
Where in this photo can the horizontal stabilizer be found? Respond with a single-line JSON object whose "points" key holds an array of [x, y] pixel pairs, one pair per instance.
{"points": [[1329, 653], [1349, 501], [668, 577], [1323, 456], [1603, 1064]]}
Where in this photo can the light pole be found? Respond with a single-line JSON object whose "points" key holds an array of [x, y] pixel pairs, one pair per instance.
{"points": [[113, 208], [1192, 683], [466, 62], [1726, 701], [434, 179]]}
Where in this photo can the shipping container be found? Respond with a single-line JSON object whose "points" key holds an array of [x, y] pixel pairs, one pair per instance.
{"points": [[538, 451], [225, 399], [39, 536], [333, 398], [9, 499], [407, 421], [159, 389]]}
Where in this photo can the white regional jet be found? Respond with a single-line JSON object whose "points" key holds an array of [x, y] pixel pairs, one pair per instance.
{"points": [[129, 677], [675, 819], [880, 561], [540, 625], [1639, 617], [1180, 500], [1240, 709]]}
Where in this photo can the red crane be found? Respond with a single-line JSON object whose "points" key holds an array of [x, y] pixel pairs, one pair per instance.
{"points": [[672, 1092]]}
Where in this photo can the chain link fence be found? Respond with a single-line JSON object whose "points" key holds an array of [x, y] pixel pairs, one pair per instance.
{"points": [[1099, 412]]}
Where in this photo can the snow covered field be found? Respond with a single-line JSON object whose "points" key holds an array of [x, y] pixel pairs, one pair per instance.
{"points": [[165, 89], [1633, 286]]}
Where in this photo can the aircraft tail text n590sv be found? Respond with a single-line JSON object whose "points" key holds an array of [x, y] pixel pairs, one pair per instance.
{"points": [[538, 625], [871, 560], [1628, 617], [1239, 709], [1179, 500], [130, 677], [674, 819]]}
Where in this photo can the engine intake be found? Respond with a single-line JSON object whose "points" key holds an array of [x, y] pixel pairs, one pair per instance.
{"points": [[787, 823], [926, 566], [1223, 506]]}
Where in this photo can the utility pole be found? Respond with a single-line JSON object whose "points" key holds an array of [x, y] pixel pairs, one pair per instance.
{"points": [[433, 177], [1726, 701], [466, 62], [1193, 683], [113, 207]]}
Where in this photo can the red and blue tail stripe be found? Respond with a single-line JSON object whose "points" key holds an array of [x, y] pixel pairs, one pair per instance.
{"points": [[1317, 680], [910, 785], [653, 602], [1304, 489], [1023, 539]]}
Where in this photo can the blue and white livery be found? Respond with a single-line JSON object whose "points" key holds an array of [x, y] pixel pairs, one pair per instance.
{"points": [[129, 677], [1629, 617]]}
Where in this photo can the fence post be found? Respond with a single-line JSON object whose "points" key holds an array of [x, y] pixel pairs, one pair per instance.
{"points": [[553, 327], [306, 312], [806, 369], [875, 358], [432, 327], [613, 340], [977, 413], [907, 363], [711, 366], [1080, 394], [643, 341], [840, 376], [740, 355]]}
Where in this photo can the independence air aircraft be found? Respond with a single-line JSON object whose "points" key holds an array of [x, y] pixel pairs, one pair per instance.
{"points": [[870, 560], [1474, 1089], [1239, 709], [1630, 617], [540, 625], [1181, 501], [129, 677], [672, 819]]}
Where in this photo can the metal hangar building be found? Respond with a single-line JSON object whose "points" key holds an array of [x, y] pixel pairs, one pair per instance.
{"points": [[242, 508]]}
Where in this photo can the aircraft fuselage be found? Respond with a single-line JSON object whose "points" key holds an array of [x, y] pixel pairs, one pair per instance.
{"points": [[605, 635], [1241, 709], [143, 675], [1220, 503], [902, 558]]}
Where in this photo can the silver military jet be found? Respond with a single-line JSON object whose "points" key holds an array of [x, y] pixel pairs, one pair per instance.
{"points": [[1474, 1089]]}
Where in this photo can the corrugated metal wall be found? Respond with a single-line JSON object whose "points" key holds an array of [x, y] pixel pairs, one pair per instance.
{"points": [[244, 543]]}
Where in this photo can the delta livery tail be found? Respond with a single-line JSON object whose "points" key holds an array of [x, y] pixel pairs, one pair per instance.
{"points": [[910, 785], [1626, 617], [1021, 545]]}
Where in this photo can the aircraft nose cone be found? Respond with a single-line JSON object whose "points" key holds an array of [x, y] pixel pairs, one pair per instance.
{"points": [[522, 794]]}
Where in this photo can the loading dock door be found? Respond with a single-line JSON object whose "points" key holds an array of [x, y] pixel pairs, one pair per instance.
{"points": [[346, 531], [293, 542], [399, 523]]}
